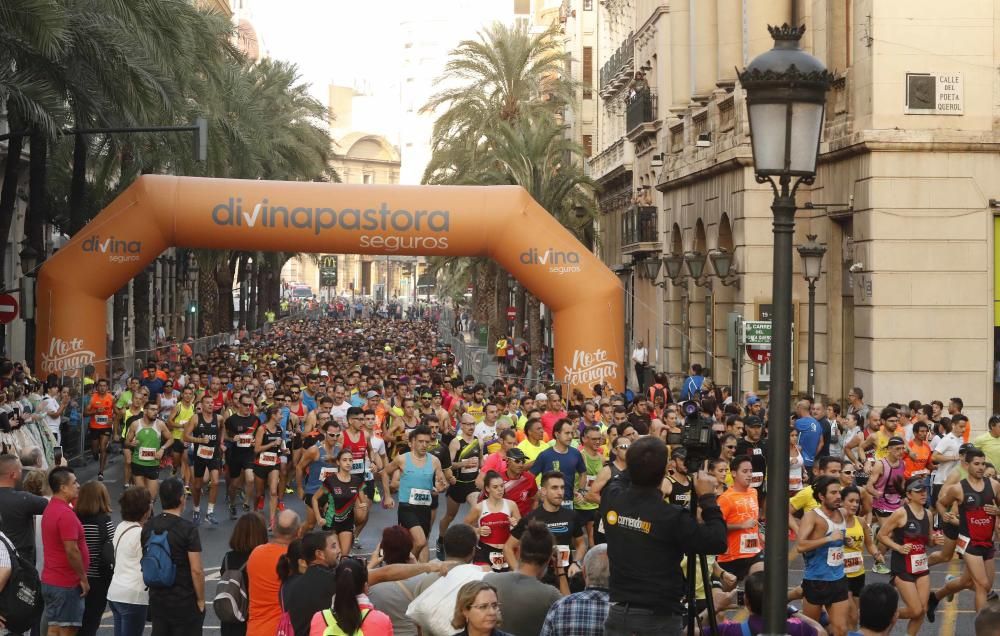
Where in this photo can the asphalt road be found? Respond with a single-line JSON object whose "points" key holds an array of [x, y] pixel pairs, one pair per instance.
{"points": [[952, 618]]}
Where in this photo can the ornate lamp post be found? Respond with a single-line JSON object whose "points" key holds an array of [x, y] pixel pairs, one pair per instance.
{"points": [[786, 98], [812, 266]]}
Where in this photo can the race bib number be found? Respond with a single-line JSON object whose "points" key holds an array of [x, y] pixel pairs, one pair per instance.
{"points": [[568, 504], [101, 420], [357, 466], [835, 556], [795, 483], [562, 553], [206, 452], [918, 563], [590, 481], [853, 563], [757, 480], [420, 497], [498, 561], [147, 454], [182, 423], [244, 441], [961, 544], [268, 459], [749, 543], [326, 472]]}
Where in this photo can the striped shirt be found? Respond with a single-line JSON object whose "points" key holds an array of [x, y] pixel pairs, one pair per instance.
{"points": [[95, 538]]}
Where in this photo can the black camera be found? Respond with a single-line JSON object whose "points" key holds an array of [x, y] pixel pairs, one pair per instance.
{"points": [[697, 436]]}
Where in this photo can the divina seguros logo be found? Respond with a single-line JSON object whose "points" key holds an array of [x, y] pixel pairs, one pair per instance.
{"points": [[264, 214], [558, 262], [118, 250]]}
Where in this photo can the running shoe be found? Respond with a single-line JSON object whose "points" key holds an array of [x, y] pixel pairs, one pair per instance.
{"points": [[187, 490], [440, 549], [246, 508], [378, 497], [260, 502], [210, 517], [289, 490], [232, 511], [947, 579], [880, 568], [196, 517], [357, 543], [992, 596], [932, 603], [100, 476]]}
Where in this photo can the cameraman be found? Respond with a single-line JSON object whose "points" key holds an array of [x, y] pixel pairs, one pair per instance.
{"points": [[646, 539]]}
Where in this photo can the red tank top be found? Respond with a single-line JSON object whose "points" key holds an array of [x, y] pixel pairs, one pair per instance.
{"points": [[497, 522], [358, 450]]}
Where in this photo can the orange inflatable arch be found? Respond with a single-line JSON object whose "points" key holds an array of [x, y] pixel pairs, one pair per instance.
{"points": [[502, 222]]}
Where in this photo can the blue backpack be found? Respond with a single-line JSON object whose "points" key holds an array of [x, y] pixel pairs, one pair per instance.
{"points": [[157, 564]]}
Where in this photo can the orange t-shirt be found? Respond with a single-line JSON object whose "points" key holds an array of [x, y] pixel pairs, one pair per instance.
{"points": [[740, 507], [263, 587], [103, 410], [911, 466]]}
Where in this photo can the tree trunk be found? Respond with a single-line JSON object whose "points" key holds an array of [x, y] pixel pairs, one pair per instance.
{"points": [[118, 325], [259, 276], [498, 321], [8, 200], [208, 301], [78, 185], [224, 285], [241, 267], [34, 230], [533, 309], [140, 300], [519, 301]]}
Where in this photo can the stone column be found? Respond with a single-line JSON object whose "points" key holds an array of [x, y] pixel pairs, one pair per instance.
{"points": [[704, 49], [680, 56], [758, 15], [729, 35]]}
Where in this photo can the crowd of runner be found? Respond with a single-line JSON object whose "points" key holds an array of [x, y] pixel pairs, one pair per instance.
{"points": [[347, 415]]}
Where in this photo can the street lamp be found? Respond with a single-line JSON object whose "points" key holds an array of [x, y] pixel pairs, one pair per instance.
{"points": [[29, 263], [650, 268], [695, 262], [722, 263], [812, 266], [786, 97], [673, 263]]}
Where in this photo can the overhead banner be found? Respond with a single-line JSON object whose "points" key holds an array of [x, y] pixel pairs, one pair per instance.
{"points": [[500, 222]]}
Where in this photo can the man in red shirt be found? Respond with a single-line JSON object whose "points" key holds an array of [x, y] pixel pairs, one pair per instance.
{"points": [[64, 577], [519, 484]]}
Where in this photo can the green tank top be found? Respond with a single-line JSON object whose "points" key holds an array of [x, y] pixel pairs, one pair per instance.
{"points": [[593, 466], [148, 440]]}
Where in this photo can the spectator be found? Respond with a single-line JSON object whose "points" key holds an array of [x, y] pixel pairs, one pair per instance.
{"points": [[178, 610], [477, 610], [303, 596], [250, 531], [393, 598], [19, 508], [94, 511], [352, 612], [263, 584], [753, 590], [31, 459], [987, 621], [435, 598], [879, 609], [64, 577], [127, 594], [583, 613], [522, 589]]}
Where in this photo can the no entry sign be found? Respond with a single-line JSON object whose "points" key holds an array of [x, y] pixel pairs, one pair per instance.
{"points": [[8, 308]]}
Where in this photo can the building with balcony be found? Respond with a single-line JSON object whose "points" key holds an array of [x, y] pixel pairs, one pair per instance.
{"points": [[904, 199]]}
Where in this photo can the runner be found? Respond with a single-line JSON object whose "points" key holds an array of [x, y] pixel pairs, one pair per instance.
{"points": [[149, 438], [593, 460], [519, 485], [316, 464], [744, 554], [421, 478], [338, 497], [885, 481], [612, 469], [976, 521], [101, 410], [268, 448], [858, 536], [178, 415], [493, 519], [821, 543], [561, 521], [239, 440], [466, 458], [205, 434]]}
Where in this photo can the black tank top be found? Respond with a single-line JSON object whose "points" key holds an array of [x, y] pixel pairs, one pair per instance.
{"points": [[973, 522], [269, 458], [915, 532], [680, 494], [207, 430]]}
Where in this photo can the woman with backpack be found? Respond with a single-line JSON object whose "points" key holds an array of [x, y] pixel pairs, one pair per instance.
{"points": [[127, 594], [352, 612], [250, 531], [93, 508]]}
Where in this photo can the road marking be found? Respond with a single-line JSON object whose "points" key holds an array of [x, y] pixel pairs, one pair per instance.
{"points": [[951, 612]]}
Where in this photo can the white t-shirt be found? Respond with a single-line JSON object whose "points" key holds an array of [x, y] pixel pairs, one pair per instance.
{"points": [[338, 412], [51, 405], [126, 583], [434, 608], [947, 445], [485, 433], [640, 355]]}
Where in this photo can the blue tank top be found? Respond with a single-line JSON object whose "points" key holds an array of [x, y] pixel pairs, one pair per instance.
{"points": [[826, 563], [316, 470], [416, 486]]}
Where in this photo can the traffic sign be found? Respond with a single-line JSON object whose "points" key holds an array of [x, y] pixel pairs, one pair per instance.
{"points": [[756, 332], [511, 313], [8, 308], [759, 353]]}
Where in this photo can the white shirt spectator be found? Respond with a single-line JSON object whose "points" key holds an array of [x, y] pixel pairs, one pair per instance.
{"points": [[434, 607], [50, 410], [127, 585]]}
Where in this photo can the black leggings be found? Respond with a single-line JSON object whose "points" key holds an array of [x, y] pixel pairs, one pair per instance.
{"points": [[94, 605]]}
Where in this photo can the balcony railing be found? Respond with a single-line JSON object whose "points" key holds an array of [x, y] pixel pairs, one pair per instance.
{"points": [[640, 108], [639, 225], [621, 57]]}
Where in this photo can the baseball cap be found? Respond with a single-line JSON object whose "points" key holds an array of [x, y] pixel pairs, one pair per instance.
{"points": [[895, 441], [541, 396], [917, 485], [371, 394], [753, 399], [324, 373], [753, 420], [965, 447], [679, 452], [516, 454]]}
